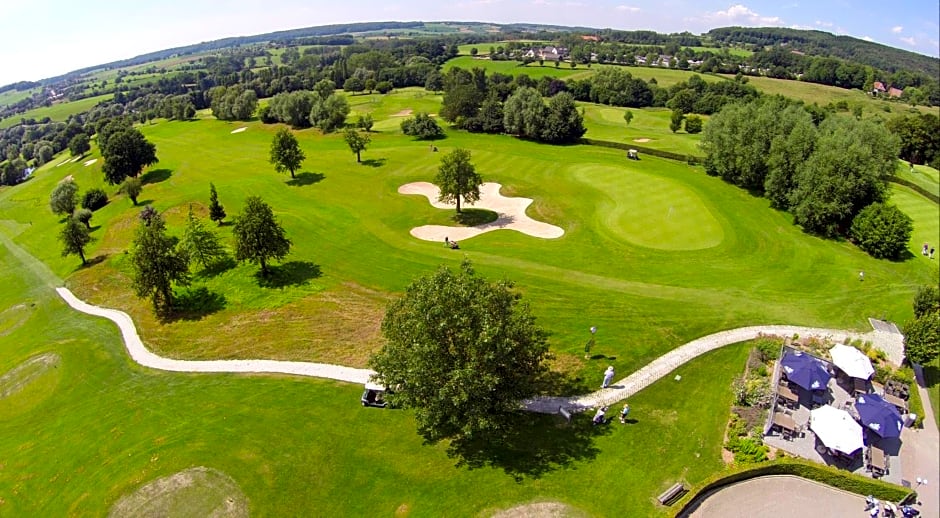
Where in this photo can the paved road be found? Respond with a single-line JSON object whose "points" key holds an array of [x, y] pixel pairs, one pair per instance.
{"points": [[780, 496]]}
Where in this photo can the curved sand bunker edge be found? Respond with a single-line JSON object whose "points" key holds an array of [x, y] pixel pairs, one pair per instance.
{"points": [[511, 215], [163, 495]]}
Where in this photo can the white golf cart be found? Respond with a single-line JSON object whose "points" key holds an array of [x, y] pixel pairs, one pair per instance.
{"points": [[374, 395]]}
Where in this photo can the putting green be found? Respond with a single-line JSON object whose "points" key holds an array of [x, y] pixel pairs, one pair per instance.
{"points": [[651, 211]]}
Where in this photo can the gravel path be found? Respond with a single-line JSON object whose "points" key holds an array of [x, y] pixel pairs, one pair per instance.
{"points": [[619, 390]]}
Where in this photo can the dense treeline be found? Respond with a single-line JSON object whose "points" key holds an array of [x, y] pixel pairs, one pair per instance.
{"points": [[821, 43], [499, 103], [824, 175]]}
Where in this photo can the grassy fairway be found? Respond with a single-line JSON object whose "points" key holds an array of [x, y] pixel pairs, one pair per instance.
{"points": [[57, 112], [108, 427], [655, 253], [564, 70], [649, 128]]}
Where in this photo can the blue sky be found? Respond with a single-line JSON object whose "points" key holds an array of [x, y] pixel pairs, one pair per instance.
{"points": [[44, 38]]}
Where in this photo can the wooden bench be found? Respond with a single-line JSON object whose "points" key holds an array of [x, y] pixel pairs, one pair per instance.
{"points": [[564, 413], [672, 494]]}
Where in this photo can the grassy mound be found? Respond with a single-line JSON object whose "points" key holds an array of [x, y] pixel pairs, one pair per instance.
{"points": [[198, 491]]}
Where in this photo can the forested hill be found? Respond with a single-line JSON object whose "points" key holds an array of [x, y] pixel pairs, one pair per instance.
{"points": [[820, 43]]}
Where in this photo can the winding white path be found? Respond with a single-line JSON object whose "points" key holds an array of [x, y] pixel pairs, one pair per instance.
{"points": [[626, 387]]}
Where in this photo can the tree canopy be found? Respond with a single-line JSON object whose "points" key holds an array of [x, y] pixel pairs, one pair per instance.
{"points": [[75, 237], [64, 198], [882, 230], [462, 352], [286, 154], [126, 152], [258, 236], [158, 262], [356, 141], [422, 126], [200, 243], [457, 178], [79, 145]]}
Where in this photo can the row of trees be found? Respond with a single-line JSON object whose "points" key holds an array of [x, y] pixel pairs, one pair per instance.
{"points": [[497, 104], [824, 176], [321, 108]]}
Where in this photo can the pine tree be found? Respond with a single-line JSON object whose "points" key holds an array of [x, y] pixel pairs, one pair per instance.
{"points": [[216, 212]]}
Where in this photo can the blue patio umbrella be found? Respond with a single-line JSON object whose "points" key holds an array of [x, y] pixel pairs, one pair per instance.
{"points": [[878, 415], [805, 370]]}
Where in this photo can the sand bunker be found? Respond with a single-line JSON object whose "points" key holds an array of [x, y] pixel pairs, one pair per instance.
{"points": [[18, 378], [641, 140], [403, 113], [511, 213], [238, 130], [540, 510], [198, 491], [62, 163], [89, 162]]}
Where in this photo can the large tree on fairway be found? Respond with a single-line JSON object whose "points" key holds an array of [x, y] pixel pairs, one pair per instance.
{"points": [[882, 230], [356, 141], [75, 238], [200, 243], [79, 145], [286, 154], [64, 198], [132, 187], [158, 262], [125, 154], [462, 352], [216, 211], [258, 236], [457, 178]]}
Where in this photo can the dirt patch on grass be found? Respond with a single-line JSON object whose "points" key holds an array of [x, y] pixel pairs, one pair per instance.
{"points": [[198, 491], [403, 113], [17, 379], [641, 140], [541, 510], [13, 317]]}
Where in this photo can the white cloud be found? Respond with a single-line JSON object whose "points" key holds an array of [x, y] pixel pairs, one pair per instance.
{"points": [[742, 15], [628, 8], [897, 29], [868, 38], [823, 24], [910, 41]]}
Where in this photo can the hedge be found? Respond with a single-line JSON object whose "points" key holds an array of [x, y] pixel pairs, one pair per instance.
{"points": [[798, 467], [649, 151]]}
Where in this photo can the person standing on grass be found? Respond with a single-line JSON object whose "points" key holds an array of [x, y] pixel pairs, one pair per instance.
{"points": [[599, 416], [624, 413], [931, 252], [861, 276], [608, 376]]}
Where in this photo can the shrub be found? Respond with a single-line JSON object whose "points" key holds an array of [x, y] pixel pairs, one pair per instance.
{"points": [[422, 126], [882, 231], [768, 348], [94, 199]]}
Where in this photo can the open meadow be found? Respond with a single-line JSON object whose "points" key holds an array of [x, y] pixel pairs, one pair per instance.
{"points": [[655, 253], [58, 112]]}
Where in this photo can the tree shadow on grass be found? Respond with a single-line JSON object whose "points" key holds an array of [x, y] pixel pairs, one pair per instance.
{"points": [[931, 374], [92, 261], [474, 217], [562, 383], [156, 176], [293, 273], [374, 162], [531, 445], [217, 268], [306, 178], [195, 303]]}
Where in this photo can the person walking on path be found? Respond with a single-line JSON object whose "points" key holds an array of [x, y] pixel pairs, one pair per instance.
{"points": [[624, 413], [608, 376], [923, 251]]}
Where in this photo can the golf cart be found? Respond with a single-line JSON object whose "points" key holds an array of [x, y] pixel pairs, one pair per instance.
{"points": [[374, 395]]}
